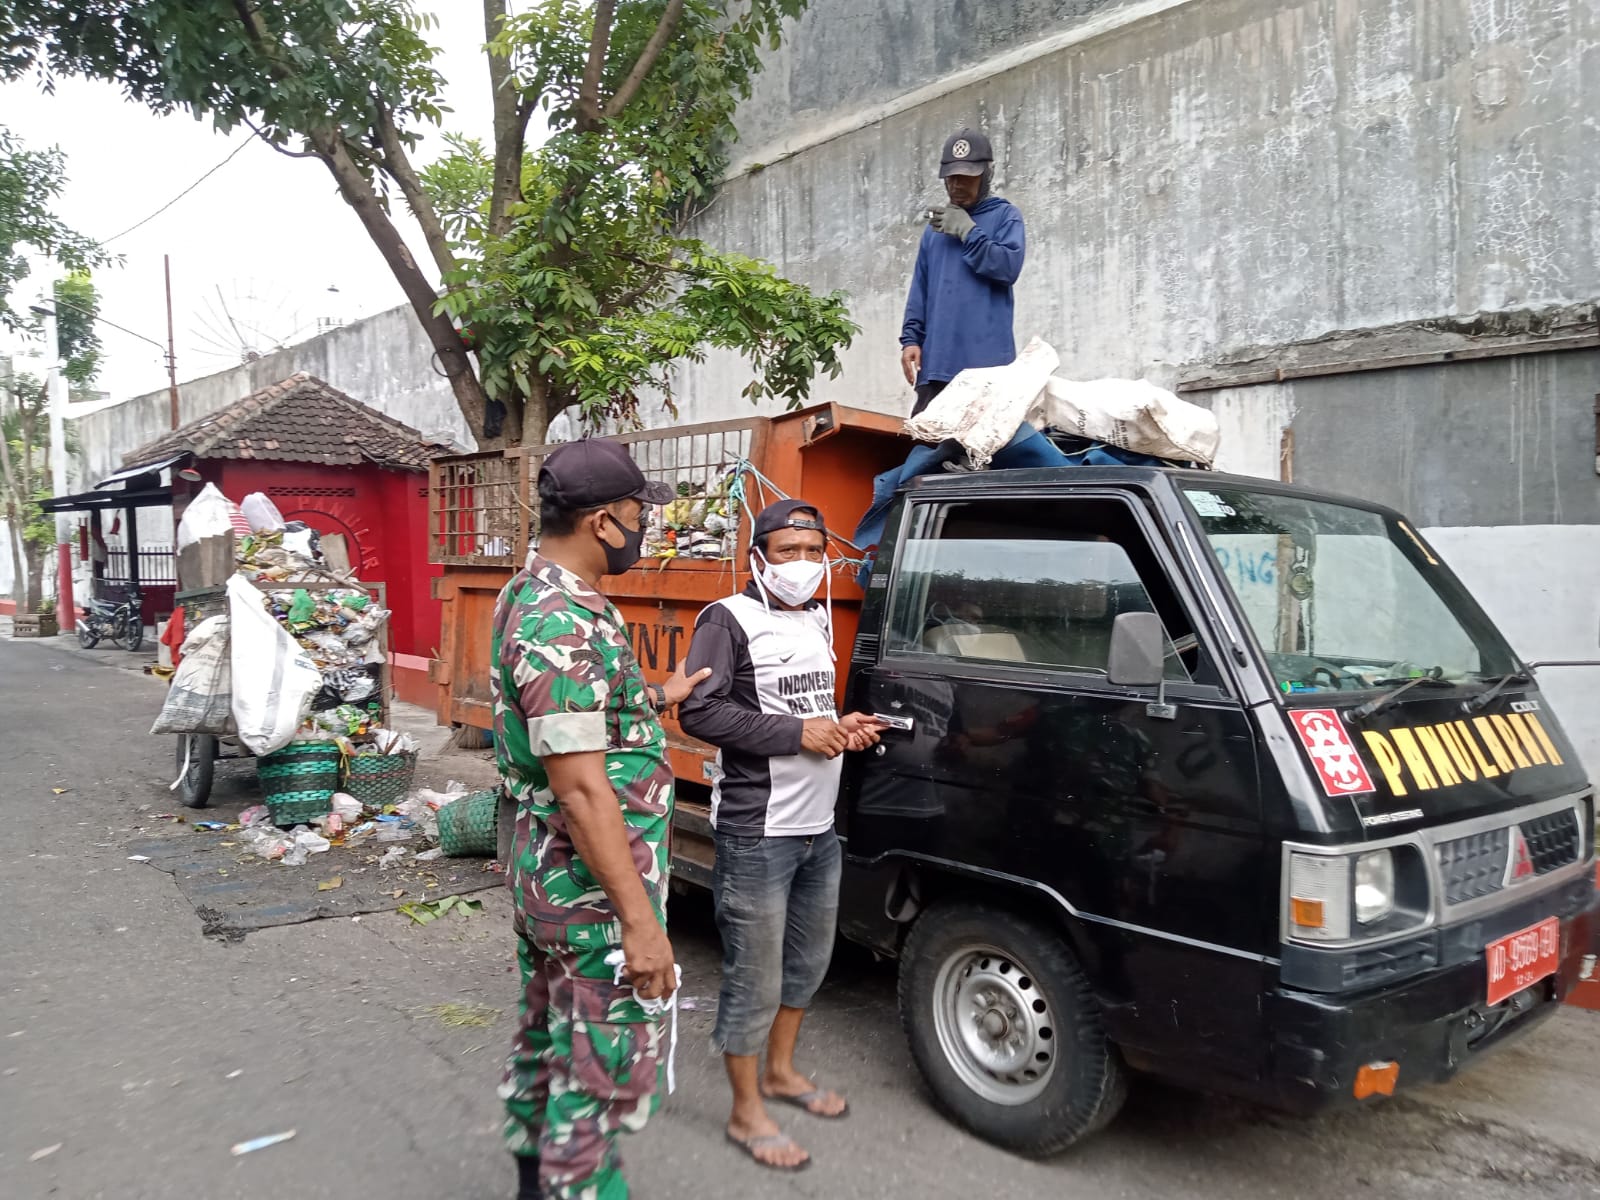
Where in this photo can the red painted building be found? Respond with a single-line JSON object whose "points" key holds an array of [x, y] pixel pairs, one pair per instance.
{"points": [[344, 469]]}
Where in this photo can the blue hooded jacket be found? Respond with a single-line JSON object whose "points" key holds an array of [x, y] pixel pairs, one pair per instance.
{"points": [[960, 310]]}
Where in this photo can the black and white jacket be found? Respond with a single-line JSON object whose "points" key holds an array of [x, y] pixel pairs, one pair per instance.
{"points": [[771, 669]]}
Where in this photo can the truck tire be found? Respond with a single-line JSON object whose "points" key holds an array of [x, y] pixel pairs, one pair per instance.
{"points": [[1005, 1029]]}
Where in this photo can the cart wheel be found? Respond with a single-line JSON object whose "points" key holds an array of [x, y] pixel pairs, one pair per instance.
{"points": [[196, 785], [133, 634], [88, 636]]}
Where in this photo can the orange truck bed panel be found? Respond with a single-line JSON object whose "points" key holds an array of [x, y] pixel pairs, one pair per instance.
{"points": [[480, 507]]}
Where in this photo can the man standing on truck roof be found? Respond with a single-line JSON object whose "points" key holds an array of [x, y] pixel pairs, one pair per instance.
{"points": [[959, 313], [582, 753], [769, 709]]}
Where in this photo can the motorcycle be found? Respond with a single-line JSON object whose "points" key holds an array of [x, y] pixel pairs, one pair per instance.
{"points": [[122, 623]]}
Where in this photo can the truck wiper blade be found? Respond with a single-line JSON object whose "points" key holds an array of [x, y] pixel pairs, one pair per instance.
{"points": [[1362, 712], [1484, 698]]}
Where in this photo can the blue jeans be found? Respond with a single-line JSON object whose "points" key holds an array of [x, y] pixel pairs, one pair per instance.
{"points": [[777, 901]]}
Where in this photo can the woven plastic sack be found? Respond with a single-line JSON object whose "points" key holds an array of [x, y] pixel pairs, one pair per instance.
{"points": [[207, 516], [200, 699], [1132, 413], [468, 826], [983, 407], [273, 678]]}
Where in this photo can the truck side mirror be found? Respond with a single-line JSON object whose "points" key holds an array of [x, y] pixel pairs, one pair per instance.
{"points": [[1136, 650], [1138, 658]]}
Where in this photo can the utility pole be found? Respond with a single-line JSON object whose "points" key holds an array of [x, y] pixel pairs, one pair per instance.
{"points": [[172, 356], [56, 389]]}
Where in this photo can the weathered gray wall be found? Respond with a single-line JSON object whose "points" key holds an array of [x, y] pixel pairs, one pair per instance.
{"points": [[384, 361], [1196, 177]]}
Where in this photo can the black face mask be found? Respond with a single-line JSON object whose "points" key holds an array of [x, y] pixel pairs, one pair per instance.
{"points": [[620, 558]]}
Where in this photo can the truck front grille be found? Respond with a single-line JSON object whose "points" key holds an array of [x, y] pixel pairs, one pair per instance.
{"points": [[1475, 865], [1553, 840]]}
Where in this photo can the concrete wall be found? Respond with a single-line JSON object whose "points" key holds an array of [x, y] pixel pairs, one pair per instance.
{"points": [[1196, 177], [384, 361]]}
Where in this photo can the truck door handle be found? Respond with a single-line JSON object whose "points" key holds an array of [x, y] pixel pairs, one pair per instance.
{"points": [[903, 724]]}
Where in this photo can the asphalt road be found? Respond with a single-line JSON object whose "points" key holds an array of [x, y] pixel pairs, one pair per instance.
{"points": [[141, 1050]]}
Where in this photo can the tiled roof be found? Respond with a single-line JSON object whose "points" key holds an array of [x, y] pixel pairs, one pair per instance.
{"points": [[300, 419]]}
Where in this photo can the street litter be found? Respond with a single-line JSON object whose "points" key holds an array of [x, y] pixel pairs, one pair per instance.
{"points": [[328, 885], [304, 844], [59, 791], [234, 1074], [138, 858], [46, 1152], [425, 911], [260, 1143], [431, 855], [210, 826], [464, 1016], [392, 857]]}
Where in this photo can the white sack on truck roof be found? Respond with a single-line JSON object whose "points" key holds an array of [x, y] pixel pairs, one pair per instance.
{"points": [[1132, 413], [983, 407]]}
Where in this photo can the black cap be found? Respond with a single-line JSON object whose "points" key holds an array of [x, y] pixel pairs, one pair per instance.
{"points": [[781, 515], [966, 153], [594, 472]]}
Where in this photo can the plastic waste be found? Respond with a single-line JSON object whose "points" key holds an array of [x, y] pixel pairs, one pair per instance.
{"points": [[262, 513], [264, 840], [392, 857], [303, 845], [206, 517], [431, 855], [347, 806]]}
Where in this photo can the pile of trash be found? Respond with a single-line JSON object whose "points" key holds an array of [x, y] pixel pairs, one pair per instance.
{"points": [[407, 831], [703, 522]]}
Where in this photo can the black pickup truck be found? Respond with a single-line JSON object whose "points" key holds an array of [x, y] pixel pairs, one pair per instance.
{"points": [[1222, 780]]}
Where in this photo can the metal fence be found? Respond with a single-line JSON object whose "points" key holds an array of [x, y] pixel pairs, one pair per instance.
{"points": [[158, 565], [483, 508]]}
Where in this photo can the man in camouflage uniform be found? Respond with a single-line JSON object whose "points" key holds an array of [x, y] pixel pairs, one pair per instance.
{"points": [[584, 757]]}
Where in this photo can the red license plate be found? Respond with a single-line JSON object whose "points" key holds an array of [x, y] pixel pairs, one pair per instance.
{"points": [[1519, 960]]}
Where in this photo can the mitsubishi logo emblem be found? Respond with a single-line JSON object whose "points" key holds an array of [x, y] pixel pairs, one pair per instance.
{"points": [[1520, 865]]}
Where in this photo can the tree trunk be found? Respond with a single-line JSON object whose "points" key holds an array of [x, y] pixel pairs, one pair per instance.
{"points": [[19, 572], [536, 414], [358, 193], [35, 592]]}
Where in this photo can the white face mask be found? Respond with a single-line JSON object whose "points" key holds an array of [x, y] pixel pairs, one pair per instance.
{"points": [[792, 582]]}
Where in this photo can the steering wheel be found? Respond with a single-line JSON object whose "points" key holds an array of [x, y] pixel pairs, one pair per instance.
{"points": [[1335, 678]]}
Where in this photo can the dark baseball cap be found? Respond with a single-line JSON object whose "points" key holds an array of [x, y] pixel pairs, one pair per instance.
{"points": [[788, 514], [594, 472], [965, 153]]}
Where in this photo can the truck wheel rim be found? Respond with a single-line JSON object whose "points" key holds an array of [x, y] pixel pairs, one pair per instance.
{"points": [[994, 1025]]}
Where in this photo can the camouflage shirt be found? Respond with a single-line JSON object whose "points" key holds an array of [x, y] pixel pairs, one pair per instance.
{"points": [[565, 681]]}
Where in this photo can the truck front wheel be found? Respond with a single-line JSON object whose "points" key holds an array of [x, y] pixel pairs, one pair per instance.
{"points": [[1005, 1029]]}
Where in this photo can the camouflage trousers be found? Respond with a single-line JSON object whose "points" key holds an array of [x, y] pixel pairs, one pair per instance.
{"points": [[585, 1065]]}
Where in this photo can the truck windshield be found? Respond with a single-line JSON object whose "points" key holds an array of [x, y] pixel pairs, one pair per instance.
{"points": [[1341, 598]]}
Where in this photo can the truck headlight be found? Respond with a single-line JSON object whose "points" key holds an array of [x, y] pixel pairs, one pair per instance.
{"points": [[1374, 886]]}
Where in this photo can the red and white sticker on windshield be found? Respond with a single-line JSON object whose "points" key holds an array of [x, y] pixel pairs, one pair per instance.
{"points": [[1332, 752]]}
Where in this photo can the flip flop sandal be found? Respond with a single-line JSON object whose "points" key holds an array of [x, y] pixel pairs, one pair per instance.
{"points": [[769, 1141], [805, 1100]]}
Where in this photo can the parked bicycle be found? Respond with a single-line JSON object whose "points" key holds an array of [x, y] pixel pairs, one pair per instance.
{"points": [[122, 623]]}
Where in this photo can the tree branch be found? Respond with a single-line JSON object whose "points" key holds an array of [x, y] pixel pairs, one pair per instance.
{"points": [[505, 188], [256, 129], [647, 59], [397, 165], [590, 110], [362, 197]]}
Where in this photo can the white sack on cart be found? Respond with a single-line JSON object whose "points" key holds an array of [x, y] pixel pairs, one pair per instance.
{"points": [[201, 697], [207, 516], [983, 407], [1132, 413], [274, 680]]}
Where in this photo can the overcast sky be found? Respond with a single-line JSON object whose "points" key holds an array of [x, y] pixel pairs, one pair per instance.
{"points": [[263, 239]]}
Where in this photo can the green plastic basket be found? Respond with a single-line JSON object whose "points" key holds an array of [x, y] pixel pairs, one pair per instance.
{"points": [[380, 779], [299, 781], [467, 826]]}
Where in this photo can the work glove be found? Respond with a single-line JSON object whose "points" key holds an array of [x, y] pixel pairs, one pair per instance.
{"points": [[953, 220]]}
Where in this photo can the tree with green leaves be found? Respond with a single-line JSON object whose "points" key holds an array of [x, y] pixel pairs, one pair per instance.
{"points": [[565, 275], [30, 183], [25, 476]]}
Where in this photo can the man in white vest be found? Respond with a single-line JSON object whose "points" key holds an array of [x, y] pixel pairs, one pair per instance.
{"points": [[768, 707]]}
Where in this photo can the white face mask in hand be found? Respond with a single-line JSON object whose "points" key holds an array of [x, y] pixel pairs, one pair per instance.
{"points": [[792, 582]]}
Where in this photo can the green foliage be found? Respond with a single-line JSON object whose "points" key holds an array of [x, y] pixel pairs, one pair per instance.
{"points": [[77, 305], [593, 289], [30, 182], [574, 275], [25, 424]]}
